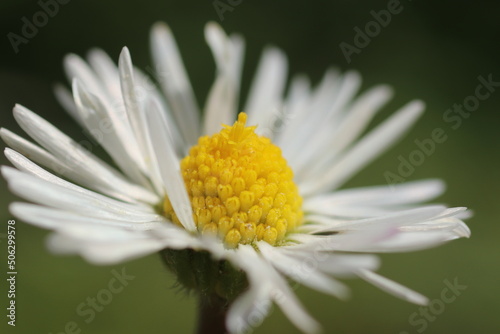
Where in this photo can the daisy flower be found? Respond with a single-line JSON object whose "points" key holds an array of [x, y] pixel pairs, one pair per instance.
{"points": [[237, 204]]}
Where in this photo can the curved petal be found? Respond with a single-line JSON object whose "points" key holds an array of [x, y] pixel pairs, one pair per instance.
{"points": [[393, 288], [264, 280], [265, 96], [174, 81], [367, 149], [222, 103], [169, 166], [81, 160]]}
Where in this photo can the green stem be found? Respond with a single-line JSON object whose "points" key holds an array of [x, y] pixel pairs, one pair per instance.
{"points": [[212, 311]]}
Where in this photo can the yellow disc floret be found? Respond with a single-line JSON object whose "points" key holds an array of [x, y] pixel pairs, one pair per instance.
{"points": [[240, 186]]}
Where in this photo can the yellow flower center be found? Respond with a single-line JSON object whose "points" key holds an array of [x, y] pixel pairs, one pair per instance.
{"points": [[240, 186]]}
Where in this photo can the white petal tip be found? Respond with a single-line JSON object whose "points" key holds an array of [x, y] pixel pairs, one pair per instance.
{"points": [[274, 52], [160, 28], [213, 26], [385, 90], [422, 301], [417, 106], [96, 53], [352, 75], [125, 59], [4, 134], [125, 52], [18, 108], [70, 60]]}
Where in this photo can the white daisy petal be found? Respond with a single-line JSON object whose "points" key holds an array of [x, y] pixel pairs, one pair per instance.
{"points": [[300, 271], [49, 161], [75, 67], [170, 166], [339, 265], [368, 148], [393, 288], [220, 105], [294, 112], [94, 116], [237, 48], [146, 90], [29, 167], [452, 224], [135, 112], [349, 128], [105, 68], [465, 214], [406, 217], [175, 82], [300, 88], [350, 241], [137, 90], [117, 245], [325, 121], [359, 114], [450, 212], [249, 309], [86, 203], [409, 242], [319, 111], [132, 103], [35, 153], [60, 220], [344, 213], [86, 233], [80, 159], [103, 253], [345, 88], [222, 102], [325, 94], [101, 241], [263, 276], [264, 99], [401, 232], [400, 194], [112, 253], [65, 98]]}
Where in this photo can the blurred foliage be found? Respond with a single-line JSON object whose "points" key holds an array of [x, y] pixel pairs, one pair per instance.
{"points": [[431, 50]]}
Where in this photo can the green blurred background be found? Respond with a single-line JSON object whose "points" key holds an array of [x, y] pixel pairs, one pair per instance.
{"points": [[431, 50]]}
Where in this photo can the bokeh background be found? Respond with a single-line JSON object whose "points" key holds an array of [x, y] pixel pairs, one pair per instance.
{"points": [[433, 50]]}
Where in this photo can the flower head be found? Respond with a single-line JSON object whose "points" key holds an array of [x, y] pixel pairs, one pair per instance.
{"points": [[233, 209], [240, 187]]}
